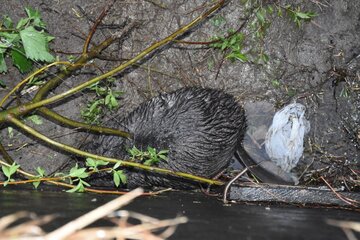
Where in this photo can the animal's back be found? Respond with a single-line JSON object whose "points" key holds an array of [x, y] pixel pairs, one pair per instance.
{"points": [[201, 128]]}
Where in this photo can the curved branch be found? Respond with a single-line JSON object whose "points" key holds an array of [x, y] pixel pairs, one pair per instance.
{"points": [[83, 126], [78, 152], [29, 78]]}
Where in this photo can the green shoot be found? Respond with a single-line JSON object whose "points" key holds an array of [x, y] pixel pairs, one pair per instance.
{"points": [[232, 44], [10, 131], [24, 43], [218, 21], [150, 157], [106, 98], [78, 175], [298, 16], [119, 177], [93, 164], [35, 119], [8, 171], [40, 174]]}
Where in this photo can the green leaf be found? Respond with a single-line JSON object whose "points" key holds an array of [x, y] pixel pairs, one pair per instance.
{"points": [[9, 39], [116, 179], [36, 184], [32, 13], [119, 177], [260, 17], [6, 170], [35, 45], [218, 21], [10, 132], [164, 152], [2, 83], [149, 162], [78, 172], [40, 171], [3, 67], [114, 102], [302, 15], [85, 183], [94, 163], [78, 188], [8, 23], [13, 168], [238, 56], [35, 16], [275, 83], [163, 157], [9, 170], [20, 60], [151, 150], [117, 165], [107, 99], [35, 119], [22, 22]]}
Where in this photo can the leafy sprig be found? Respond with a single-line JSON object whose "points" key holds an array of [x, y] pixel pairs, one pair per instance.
{"points": [[40, 174], [24, 43], [149, 157], [106, 98], [9, 171], [232, 44]]}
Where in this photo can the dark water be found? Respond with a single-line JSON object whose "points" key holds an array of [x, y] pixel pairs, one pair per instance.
{"points": [[209, 218]]}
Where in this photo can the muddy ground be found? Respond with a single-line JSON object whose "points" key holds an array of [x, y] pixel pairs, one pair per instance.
{"points": [[316, 64]]}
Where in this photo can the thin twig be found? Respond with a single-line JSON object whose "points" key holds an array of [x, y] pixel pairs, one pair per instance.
{"points": [[345, 199], [95, 25], [92, 216], [228, 185], [78, 152]]}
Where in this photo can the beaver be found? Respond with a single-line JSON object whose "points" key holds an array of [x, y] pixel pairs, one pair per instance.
{"points": [[201, 128]]}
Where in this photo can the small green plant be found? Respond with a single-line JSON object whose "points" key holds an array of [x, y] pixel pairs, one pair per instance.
{"points": [[275, 83], [10, 131], [149, 157], [260, 18], [298, 16], [345, 92], [119, 176], [94, 164], [232, 44], [24, 42], [78, 175], [9, 172], [40, 174], [35, 119], [106, 98], [218, 21]]}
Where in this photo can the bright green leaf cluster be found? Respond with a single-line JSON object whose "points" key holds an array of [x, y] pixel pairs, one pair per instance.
{"points": [[298, 16], [119, 177], [35, 119], [93, 164], [149, 157], [78, 175], [40, 174], [9, 171], [25, 42], [233, 44], [106, 97], [217, 21]]}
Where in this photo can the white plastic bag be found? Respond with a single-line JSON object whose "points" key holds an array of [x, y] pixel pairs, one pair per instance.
{"points": [[284, 141]]}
